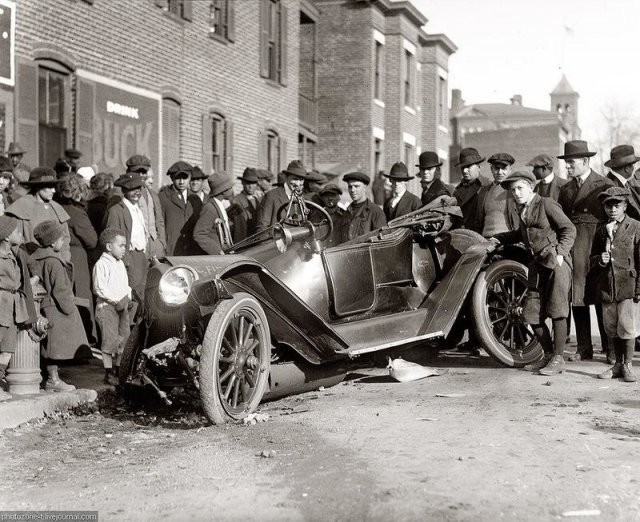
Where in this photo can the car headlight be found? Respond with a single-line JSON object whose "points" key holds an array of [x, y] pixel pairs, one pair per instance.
{"points": [[175, 285]]}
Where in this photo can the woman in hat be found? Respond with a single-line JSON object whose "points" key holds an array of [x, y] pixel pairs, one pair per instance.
{"points": [[402, 201], [38, 206]]}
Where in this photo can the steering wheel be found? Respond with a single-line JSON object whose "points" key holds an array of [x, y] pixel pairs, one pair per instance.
{"points": [[299, 219]]}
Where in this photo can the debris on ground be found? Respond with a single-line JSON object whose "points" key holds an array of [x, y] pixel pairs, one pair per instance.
{"points": [[267, 454], [406, 371], [298, 408], [582, 513], [255, 418], [451, 395]]}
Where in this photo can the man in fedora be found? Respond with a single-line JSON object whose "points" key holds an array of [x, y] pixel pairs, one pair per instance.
{"points": [[196, 183], [265, 178], [429, 164], [16, 154], [295, 174], [622, 165], [495, 209], [579, 201], [178, 210], [362, 215], [244, 225], [127, 216], [466, 193], [549, 184], [402, 201], [212, 231], [37, 206]]}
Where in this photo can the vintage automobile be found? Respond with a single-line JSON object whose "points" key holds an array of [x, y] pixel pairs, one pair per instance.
{"points": [[280, 314]]}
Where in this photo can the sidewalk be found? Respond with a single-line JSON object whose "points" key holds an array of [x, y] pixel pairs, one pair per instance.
{"points": [[87, 378]]}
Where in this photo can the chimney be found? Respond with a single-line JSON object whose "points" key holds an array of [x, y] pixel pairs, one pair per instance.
{"points": [[457, 103], [516, 99]]}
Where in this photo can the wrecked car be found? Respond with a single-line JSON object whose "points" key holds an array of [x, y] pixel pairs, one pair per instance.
{"points": [[281, 314]]}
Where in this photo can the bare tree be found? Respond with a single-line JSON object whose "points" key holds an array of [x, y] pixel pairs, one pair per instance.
{"points": [[619, 125]]}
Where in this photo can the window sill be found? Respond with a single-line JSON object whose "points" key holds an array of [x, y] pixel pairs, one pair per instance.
{"points": [[273, 83], [444, 129], [410, 110], [378, 102], [218, 38], [173, 16]]}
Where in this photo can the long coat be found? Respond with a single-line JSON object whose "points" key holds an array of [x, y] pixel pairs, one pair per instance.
{"points": [[408, 203], [158, 237], [583, 208], [66, 334], [179, 220], [269, 206], [205, 232], [619, 279], [435, 190], [244, 223], [467, 195], [554, 187]]}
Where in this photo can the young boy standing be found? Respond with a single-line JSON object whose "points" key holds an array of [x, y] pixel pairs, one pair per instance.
{"points": [[615, 261], [113, 293]]}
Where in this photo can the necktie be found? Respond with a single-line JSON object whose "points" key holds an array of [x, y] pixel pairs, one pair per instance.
{"points": [[579, 181]]}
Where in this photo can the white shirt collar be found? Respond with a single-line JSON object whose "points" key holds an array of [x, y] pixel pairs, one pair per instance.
{"points": [[622, 179], [584, 176]]}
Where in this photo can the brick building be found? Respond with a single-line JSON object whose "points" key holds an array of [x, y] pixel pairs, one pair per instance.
{"points": [[223, 83], [521, 131]]}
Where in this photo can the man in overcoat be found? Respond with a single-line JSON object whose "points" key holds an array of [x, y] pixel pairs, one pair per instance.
{"points": [[212, 231], [579, 201], [548, 235], [466, 192], [402, 201], [295, 174], [429, 164], [549, 184], [178, 211], [495, 208], [362, 215], [244, 224], [622, 164]]}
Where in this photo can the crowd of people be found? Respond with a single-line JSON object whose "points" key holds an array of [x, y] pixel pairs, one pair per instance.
{"points": [[90, 239]]}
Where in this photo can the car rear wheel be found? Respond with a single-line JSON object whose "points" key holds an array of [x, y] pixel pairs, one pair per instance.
{"points": [[496, 306], [235, 359]]}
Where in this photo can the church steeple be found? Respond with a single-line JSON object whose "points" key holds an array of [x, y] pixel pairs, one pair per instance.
{"points": [[564, 102]]}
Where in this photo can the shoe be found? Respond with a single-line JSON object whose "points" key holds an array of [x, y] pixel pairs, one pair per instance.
{"points": [[555, 366], [4, 396], [540, 363], [627, 374], [58, 385], [580, 355], [612, 373]]}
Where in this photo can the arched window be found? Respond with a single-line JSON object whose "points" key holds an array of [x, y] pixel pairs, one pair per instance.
{"points": [[217, 142]]}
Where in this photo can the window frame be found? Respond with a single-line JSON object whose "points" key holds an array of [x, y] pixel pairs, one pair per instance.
{"points": [[273, 41], [408, 87], [378, 85], [226, 17]]}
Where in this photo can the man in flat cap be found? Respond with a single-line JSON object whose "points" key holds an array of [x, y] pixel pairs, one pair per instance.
{"points": [[549, 235], [429, 164], [579, 201], [495, 209], [548, 183], [72, 157], [402, 201], [247, 200], [212, 231], [362, 215], [178, 210], [622, 164], [466, 193], [295, 174]]}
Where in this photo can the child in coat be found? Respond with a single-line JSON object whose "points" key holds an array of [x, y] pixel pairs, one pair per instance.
{"points": [[66, 332], [615, 261], [113, 300]]}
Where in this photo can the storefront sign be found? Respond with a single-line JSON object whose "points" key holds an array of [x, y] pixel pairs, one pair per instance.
{"points": [[7, 37]]}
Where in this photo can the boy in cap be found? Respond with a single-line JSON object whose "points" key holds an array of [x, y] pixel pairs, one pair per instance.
{"points": [[548, 183], [66, 334], [196, 183], [615, 261], [548, 235]]}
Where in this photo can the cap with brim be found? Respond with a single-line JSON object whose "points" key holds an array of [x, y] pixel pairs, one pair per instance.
{"points": [[398, 172], [614, 194], [316, 177], [219, 183], [73, 153], [250, 175], [541, 160], [180, 168], [330, 188], [501, 158], [138, 163], [621, 156], [516, 176], [7, 225], [197, 173], [356, 176], [41, 177], [130, 181], [468, 157], [15, 149], [264, 174], [576, 149], [5, 165]]}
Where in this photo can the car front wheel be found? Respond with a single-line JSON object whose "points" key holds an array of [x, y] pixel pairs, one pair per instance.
{"points": [[496, 306], [235, 359]]}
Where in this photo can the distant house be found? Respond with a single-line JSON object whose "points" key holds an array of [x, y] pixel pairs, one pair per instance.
{"points": [[521, 131]]}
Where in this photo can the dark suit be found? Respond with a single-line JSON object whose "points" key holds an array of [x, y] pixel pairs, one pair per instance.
{"points": [[550, 190], [583, 208], [205, 232], [269, 206], [435, 190], [179, 220], [407, 203], [157, 238], [244, 224], [467, 194]]}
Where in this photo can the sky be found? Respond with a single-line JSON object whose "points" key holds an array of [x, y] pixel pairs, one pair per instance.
{"points": [[522, 47]]}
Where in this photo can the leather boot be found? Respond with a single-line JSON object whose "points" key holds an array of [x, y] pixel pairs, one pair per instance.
{"points": [[612, 373], [55, 383], [581, 355], [627, 374], [537, 365], [555, 366], [627, 347]]}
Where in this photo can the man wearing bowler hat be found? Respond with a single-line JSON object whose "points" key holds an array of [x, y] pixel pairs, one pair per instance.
{"points": [[244, 225], [362, 215], [579, 201], [549, 184], [466, 193], [402, 201], [622, 165], [295, 174], [429, 164], [495, 209]]}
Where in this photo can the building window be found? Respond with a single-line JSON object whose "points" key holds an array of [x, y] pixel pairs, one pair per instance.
{"points": [[408, 154], [377, 157], [408, 78], [273, 45], [273, 151], [178, 8], [307, 150], [442, 100], [170, 131], [377, 85], [52, 131], [217, 140], [221, 20]]}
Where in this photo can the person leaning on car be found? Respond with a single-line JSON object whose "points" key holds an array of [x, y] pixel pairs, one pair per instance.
{"points": [[362, 215]]}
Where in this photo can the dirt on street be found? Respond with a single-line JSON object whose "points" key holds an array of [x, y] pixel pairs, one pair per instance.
{"points": [[479, 443]]}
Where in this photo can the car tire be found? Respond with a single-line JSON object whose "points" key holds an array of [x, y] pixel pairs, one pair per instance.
{"points": [[496, 308], [234, 374]]}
